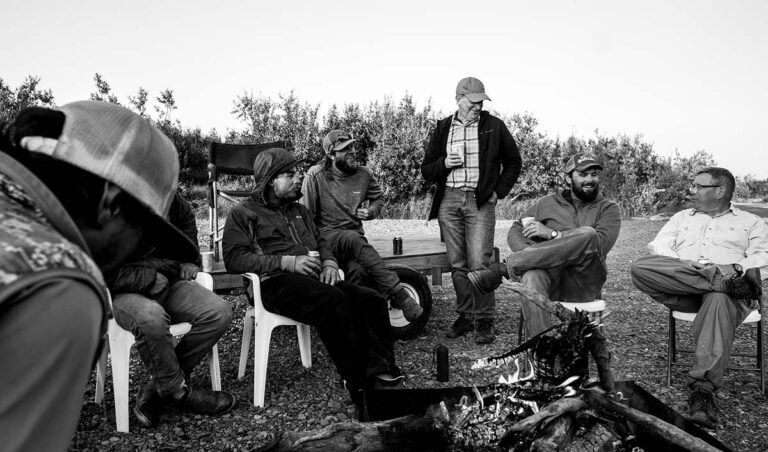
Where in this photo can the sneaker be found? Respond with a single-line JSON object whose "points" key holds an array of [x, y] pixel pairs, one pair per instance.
{"points": [[205, 401], [747, 286], [702, 409], [461, 326], [486, 280], [149, 405], [412, 310], [485, 331], [388, 381]]}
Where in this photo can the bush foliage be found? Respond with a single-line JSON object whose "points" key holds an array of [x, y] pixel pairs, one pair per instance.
{"points": [[392, 134]]}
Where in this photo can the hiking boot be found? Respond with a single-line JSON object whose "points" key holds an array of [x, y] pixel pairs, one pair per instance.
{"points": [[461, 326], [746, 286], [486, 280], [149, 405], [702, 409], [485, 331], [412, 310], [205, 401]]}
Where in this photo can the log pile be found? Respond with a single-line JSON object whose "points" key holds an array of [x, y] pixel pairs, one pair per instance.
{"points": [[545, 402]]}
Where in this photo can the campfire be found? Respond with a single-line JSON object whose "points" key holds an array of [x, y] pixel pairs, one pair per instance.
{"points": [[543, 400]]}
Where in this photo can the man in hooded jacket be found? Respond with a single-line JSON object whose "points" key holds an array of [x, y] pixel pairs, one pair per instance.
{"points": [[271, 234]]}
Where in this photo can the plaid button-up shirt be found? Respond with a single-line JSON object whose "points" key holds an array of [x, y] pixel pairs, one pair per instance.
{"points": [[464, 177]]}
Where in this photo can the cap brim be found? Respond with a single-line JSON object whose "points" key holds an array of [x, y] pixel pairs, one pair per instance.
{"points": [[477, 97], [343, 144], [591, 165], [170, 242]]}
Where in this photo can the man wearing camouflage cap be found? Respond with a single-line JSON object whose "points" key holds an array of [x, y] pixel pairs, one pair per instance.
{"points": [[473, 161], [83, 188], [561, 249], [340, 194]]}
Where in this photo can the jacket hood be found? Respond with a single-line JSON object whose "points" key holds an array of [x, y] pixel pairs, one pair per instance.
{"points": [[267, 165]]}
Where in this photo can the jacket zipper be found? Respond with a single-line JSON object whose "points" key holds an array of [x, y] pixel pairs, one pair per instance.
{"points": [[291, 229]]}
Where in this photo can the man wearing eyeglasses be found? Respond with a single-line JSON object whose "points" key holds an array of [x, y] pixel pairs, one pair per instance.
{"points": [[473, 161], [708, 259], [340, 194]]}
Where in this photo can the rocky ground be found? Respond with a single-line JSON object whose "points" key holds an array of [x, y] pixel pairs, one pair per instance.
{"points": [[299, 399]]}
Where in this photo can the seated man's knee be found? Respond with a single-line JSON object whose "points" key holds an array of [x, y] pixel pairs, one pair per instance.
{"points": [[639, 268], [535, 278], [140, 315]]}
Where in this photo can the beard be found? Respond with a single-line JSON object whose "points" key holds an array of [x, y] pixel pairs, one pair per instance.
{"points": [[347, 165], [587, 196]]}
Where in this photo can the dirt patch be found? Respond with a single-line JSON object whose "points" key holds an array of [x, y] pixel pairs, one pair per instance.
{"points": [[299, 399]]}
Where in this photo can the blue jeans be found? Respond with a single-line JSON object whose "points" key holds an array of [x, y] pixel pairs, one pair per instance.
{"points": [[148, 320], [569, 269], [468, 235]]}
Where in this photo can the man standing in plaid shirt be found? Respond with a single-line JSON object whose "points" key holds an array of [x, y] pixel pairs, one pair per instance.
{"points": [[474, 161]]}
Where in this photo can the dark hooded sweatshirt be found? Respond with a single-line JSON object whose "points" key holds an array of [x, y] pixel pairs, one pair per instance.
{"points": [[263, 237]]}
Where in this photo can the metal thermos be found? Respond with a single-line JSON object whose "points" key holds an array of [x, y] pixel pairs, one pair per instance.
{"points": [[441, 362]]}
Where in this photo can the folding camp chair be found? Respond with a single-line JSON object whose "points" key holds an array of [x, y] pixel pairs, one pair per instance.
{"points": [[234, 160]]}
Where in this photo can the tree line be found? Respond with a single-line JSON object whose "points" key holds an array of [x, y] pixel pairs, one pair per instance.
{"points": [[392, 134]]}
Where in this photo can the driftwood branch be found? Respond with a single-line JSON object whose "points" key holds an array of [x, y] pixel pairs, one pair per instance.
{"points": [[596, 343], [551, 411], [403, 434], [650, 424]]}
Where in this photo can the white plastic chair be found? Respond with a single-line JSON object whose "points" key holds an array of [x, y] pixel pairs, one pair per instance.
{"points": [[120, 343], [259, 322]]}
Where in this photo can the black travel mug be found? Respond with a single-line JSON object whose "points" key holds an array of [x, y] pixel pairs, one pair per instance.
{"points": [[441, 362]]}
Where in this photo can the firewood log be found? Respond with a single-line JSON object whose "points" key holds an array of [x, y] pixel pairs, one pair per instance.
{"points": [[551, 411], [650, 424]]}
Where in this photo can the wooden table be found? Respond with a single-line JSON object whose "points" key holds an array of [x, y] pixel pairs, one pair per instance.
{"points": [[424, 253]]}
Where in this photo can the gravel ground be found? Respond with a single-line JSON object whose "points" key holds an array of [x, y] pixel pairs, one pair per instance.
{"points": [[299, 399]]}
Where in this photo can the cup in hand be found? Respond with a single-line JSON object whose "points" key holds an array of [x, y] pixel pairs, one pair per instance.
{"points": [[527, 220], [457, 151], [207, 261]]}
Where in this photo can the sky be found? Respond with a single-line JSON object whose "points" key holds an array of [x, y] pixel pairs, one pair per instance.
{"points": [[686, 75]]}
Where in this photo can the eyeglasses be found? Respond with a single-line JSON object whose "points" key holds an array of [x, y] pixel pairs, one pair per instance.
{"points": [[697, 187]]}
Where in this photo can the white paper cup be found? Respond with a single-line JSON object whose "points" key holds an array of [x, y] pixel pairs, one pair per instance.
{"points": [[458, 150], [527, 220], [207, 258]]}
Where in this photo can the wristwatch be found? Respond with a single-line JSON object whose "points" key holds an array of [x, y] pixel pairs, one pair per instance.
{"points": [[554, 234]]}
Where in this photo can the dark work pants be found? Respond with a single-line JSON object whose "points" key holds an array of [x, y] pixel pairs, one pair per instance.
{"points": [[352, 321], [567, 269], [361, 261], [680, 286]]}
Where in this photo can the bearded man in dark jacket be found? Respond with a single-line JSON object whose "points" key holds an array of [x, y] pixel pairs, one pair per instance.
{"points": [[271, 234]]}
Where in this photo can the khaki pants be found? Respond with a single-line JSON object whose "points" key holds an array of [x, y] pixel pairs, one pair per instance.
{"points": [[680, 286]]}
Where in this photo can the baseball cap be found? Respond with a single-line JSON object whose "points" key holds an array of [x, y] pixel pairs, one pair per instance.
{"points": [[581, 162], [472, 88], [125, 149], [337, 140]]}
